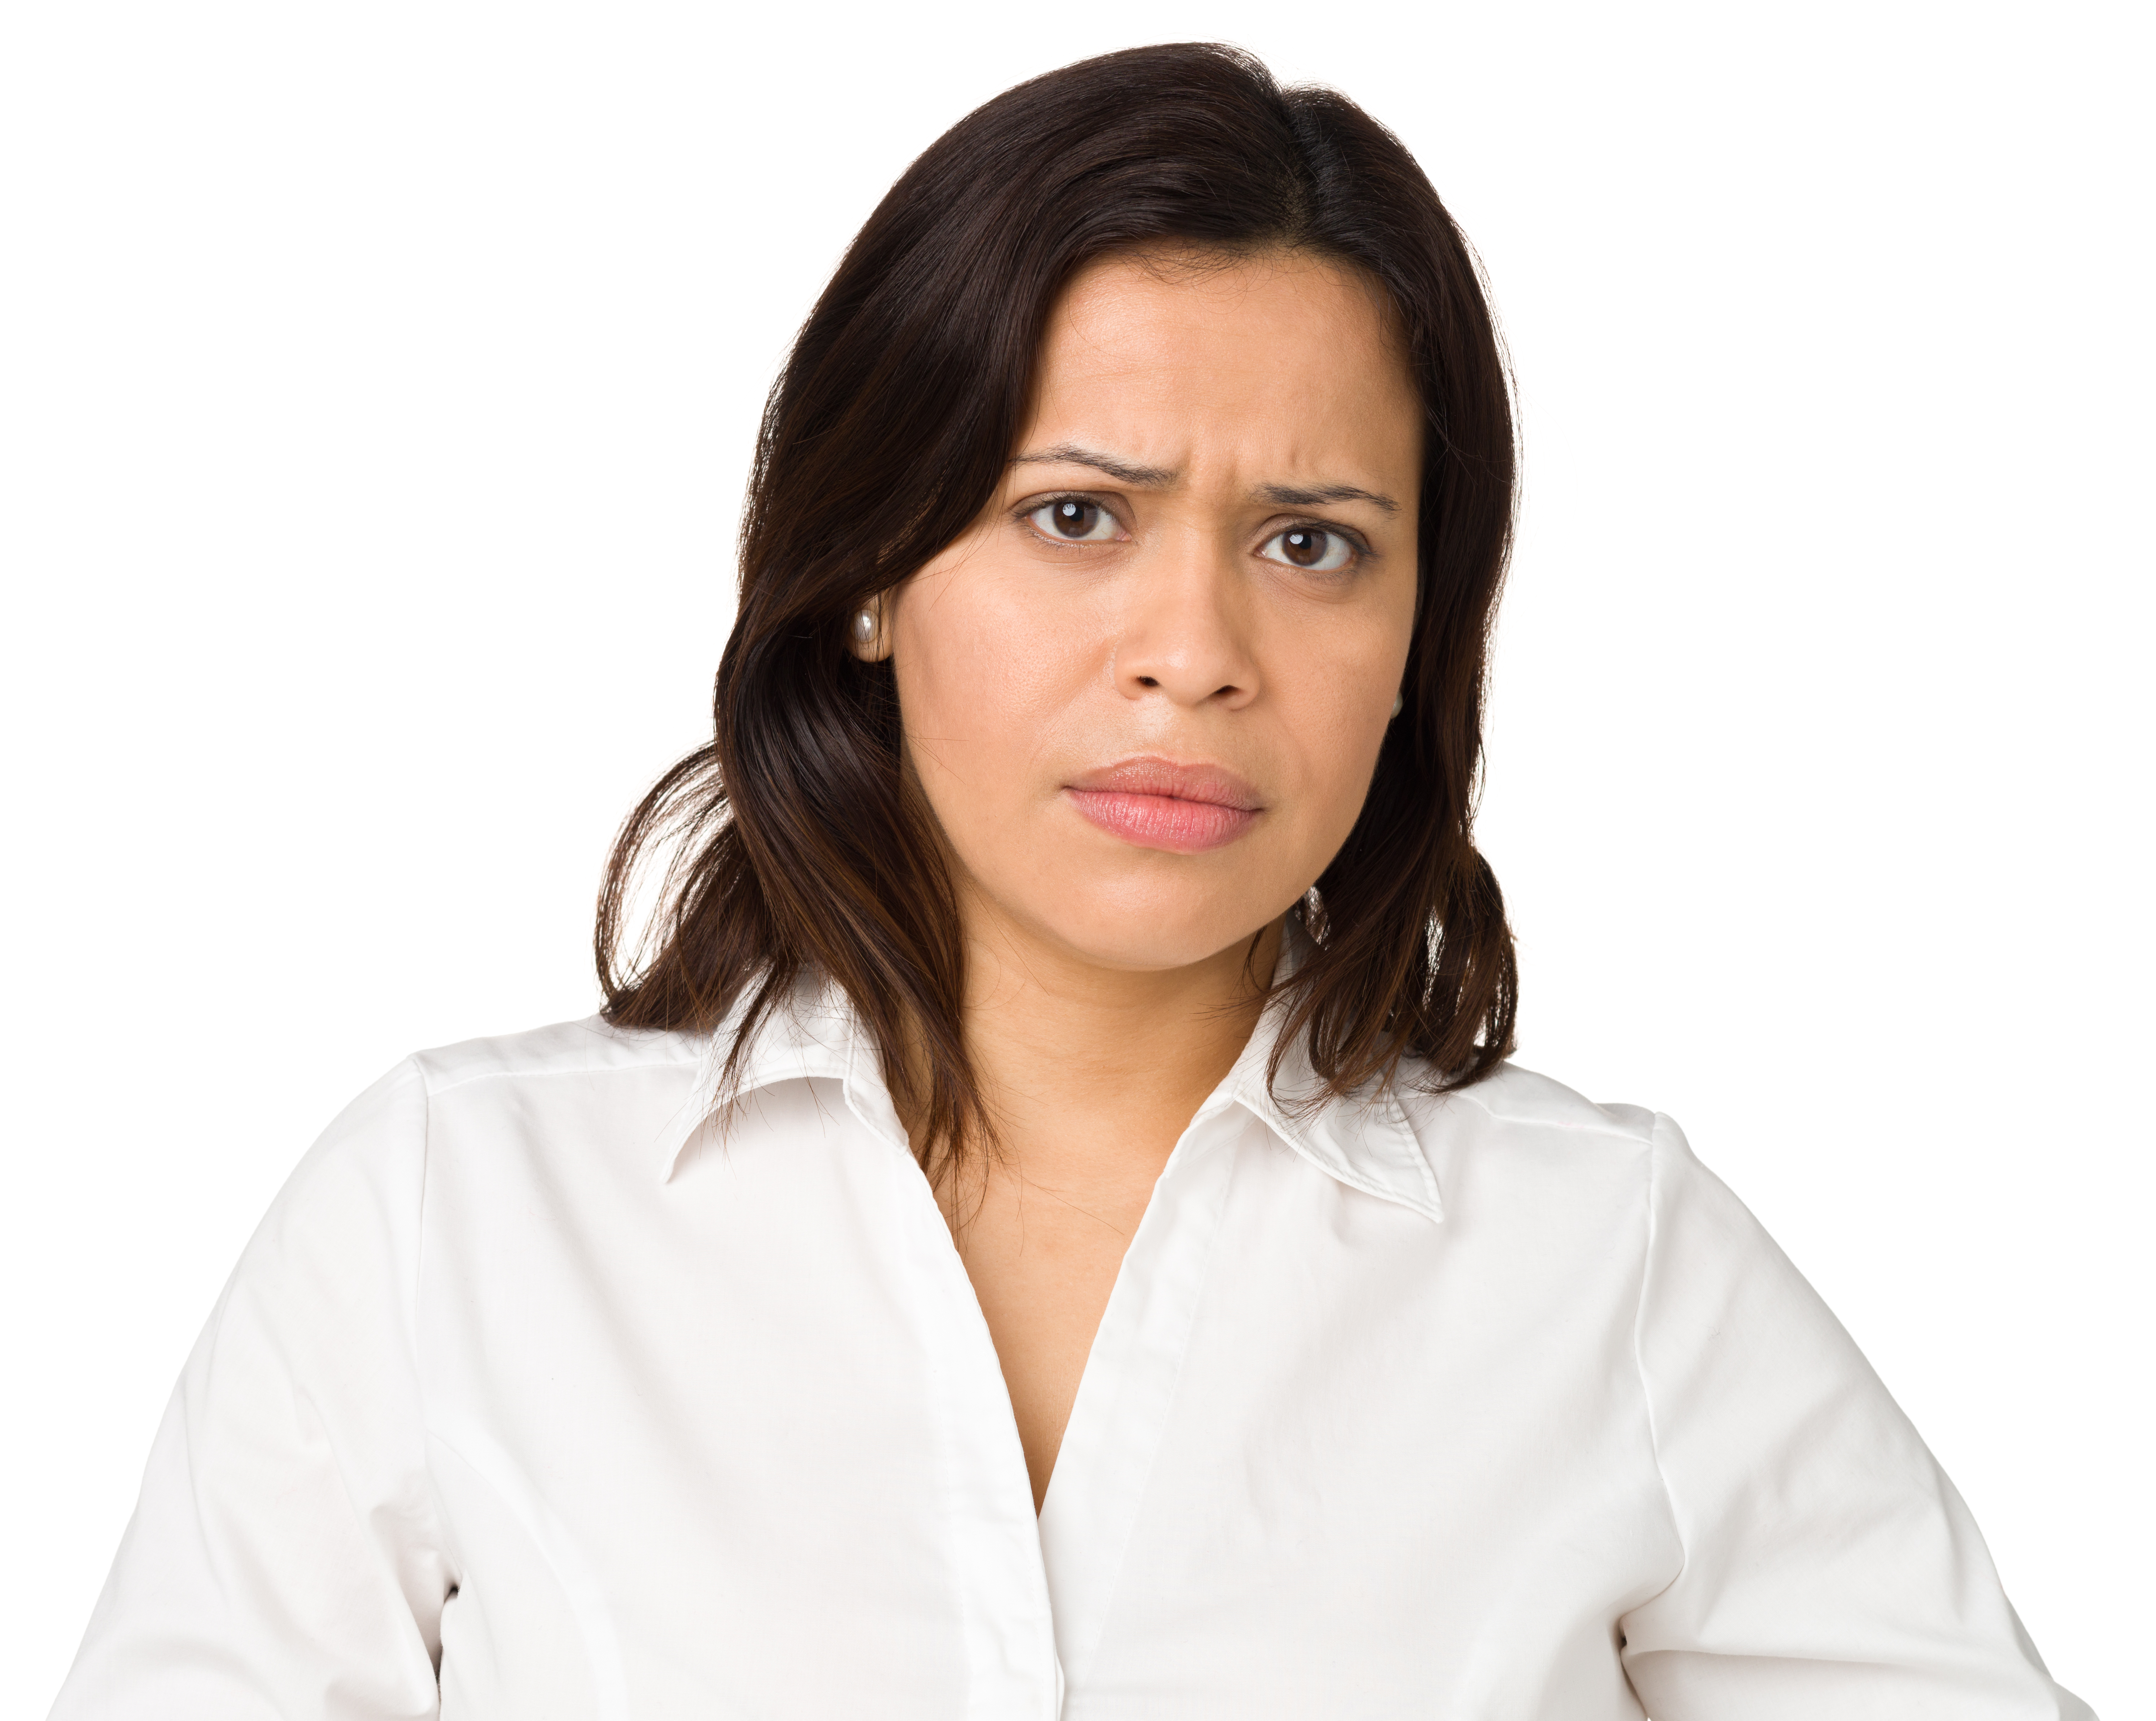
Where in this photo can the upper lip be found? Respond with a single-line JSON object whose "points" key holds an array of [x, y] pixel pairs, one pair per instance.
{"points": [[1215, 785]]}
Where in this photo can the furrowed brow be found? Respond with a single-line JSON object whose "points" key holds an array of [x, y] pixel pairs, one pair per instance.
{"points": [[1068, 453], [1289, 495]]}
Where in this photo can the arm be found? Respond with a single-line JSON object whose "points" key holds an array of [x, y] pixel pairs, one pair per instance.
{"points": [[1829, 1567], [285, 1560]]}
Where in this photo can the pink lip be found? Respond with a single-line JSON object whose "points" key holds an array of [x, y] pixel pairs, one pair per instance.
{"points": [[1157, 804]]}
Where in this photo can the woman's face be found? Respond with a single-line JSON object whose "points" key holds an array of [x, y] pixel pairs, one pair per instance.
{"points": [[1144, 693]]}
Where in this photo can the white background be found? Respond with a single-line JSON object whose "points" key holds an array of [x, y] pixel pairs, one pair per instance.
{"points": [[376, 385]]}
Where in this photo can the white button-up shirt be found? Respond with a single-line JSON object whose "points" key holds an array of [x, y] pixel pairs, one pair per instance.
{"points": [[538, 1395]]}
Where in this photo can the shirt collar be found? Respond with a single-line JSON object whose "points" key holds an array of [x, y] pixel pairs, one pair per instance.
{"points": [[1363, 1140]]}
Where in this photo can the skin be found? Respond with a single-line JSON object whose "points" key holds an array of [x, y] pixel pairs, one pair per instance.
{"points": [[1202, 406]]}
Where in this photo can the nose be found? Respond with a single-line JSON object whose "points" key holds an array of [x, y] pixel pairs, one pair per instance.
{"points": [[1185, 627]]}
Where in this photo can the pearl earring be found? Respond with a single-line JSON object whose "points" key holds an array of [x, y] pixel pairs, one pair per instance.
{"points": [[1399, 700], [865, 626]]}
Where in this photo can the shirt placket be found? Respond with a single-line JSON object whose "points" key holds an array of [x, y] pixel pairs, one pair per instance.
{"points": [[986, 1493], [1127, 1395]]}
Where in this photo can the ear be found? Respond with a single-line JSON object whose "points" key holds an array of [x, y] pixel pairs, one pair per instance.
{"points": [[868, 631]]}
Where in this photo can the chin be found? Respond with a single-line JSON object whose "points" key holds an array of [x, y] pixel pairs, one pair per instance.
{"points": [[1151, 935]]}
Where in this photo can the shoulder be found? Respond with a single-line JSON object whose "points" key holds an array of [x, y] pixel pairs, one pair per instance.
{"points": [[574, 1097], [1517, 1107], [573, 1079], [496, 1118], [590, 1047], [1517, 1149]]}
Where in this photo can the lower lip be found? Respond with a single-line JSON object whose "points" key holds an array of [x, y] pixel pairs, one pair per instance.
{"points": [[1160, 821]]}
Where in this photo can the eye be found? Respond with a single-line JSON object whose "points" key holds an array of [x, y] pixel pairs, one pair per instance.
{"points": [[1073, 520], [1311, 547]]}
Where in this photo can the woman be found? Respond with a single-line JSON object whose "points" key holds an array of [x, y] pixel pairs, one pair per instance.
{"points": [[1047, 1225]]}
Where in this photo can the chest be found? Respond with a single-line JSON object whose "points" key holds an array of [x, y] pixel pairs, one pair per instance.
{"points": [[753, 1451], [1042, 1245]]}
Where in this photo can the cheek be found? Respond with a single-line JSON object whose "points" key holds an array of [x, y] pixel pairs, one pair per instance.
{"points": [[1333, 716], [983, 667], [1332, 677]]}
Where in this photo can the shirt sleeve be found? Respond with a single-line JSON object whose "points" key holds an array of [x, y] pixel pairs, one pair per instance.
{"points": [[1829, 1568], [283, 1561]]}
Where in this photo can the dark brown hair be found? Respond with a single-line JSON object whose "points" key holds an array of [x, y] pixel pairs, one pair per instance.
{"points": [[797, 843]]}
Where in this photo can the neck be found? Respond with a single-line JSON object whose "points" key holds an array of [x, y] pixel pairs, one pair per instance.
{"points": [[1077, 1059]]}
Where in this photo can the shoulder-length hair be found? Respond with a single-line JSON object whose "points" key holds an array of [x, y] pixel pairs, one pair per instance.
{"points": [[796, 843]]}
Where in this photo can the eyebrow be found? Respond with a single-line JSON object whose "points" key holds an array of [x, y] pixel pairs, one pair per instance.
{"points": [[1284, 496], [1068, 453], [1288, 496]]}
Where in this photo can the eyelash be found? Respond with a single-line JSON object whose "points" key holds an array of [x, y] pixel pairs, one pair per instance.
{"points": [[1026, 510]]}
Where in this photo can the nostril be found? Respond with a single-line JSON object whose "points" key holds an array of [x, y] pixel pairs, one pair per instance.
{"points": [[1148, 681]]}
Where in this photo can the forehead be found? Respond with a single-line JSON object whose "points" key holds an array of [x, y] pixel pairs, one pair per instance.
{"points": [[1290, 354]]}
